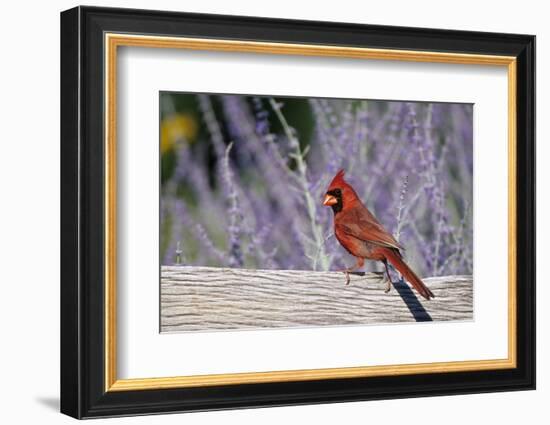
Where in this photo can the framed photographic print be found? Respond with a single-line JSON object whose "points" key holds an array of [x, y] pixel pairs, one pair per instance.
{"points": [[262, 212]]}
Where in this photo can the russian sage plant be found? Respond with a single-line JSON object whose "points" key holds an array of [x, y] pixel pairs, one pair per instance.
{"points": [[247, 189]]}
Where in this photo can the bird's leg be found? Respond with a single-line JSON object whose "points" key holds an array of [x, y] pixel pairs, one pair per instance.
{"points": [[389, 282], [360, 263]]}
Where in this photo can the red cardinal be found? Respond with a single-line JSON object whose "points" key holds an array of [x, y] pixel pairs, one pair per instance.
{"points": [[363, 236]]}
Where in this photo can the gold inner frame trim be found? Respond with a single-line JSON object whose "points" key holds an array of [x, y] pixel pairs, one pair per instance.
{"points": [[113, 41]]}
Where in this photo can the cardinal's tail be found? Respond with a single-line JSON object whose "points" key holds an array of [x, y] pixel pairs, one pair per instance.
{"points": [[394, 257]]}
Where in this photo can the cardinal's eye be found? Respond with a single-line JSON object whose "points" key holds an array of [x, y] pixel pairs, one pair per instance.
{"points": [[337, 192]]}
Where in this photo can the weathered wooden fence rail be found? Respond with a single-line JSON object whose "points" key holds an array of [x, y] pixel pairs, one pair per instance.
{"points": [[208, 298]]}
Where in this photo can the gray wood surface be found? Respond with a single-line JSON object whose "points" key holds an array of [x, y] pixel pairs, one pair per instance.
{"points": [[208, 298]]}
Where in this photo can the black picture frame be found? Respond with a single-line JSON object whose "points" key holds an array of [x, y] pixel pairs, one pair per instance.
{"points": [[83, 392]]}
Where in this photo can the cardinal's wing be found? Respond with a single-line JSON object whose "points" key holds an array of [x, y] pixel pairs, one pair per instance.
{"points": [[361, 224]]}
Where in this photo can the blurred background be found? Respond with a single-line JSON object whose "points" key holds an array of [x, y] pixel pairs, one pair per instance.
{"points": [[243, 178]]}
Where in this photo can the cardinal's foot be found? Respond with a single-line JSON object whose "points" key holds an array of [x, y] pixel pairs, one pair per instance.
{"points": [[387, 283], [346, 272], [347, 276]]}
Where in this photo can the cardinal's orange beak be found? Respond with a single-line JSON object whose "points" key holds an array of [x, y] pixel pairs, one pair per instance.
{"points": [[330, 200]]}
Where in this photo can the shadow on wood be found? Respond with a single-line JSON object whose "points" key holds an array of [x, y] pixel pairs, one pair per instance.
{"points": [[412, 301], [408, 296]]}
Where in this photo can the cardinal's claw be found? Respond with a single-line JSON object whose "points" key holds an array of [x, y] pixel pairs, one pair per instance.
{"points": [[387, 283], [347, 276]]}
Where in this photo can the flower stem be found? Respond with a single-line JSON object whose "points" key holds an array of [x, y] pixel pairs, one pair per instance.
{"points": [[319, 258]]}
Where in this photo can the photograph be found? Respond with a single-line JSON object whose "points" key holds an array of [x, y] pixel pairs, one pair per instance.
{"points": [[280, 212], [285, 210]]}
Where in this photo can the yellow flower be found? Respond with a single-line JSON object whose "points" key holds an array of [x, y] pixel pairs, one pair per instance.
{"points": [[177, 127]]}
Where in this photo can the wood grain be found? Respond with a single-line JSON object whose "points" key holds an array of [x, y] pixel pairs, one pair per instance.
{"points": [[211, 298]]}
